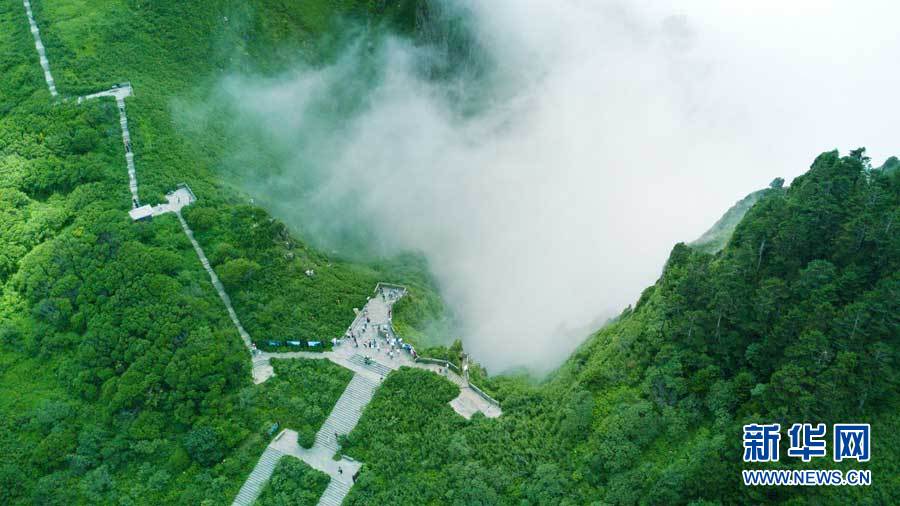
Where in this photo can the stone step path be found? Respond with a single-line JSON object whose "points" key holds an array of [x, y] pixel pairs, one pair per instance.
{"points": [[341, 421], [376, 367], [215, 281], [129, 155], [335, 493], [118, 91], [347, 412], [251, 488], [39, 45]]}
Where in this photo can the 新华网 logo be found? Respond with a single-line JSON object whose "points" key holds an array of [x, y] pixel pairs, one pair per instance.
{"points": [[807, 441]]}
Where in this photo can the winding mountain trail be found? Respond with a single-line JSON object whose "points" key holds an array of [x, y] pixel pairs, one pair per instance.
{"points": [[370, 349]]}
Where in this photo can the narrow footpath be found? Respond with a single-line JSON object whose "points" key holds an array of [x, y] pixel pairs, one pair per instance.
{"points": [[39, 45], [120, 92]]}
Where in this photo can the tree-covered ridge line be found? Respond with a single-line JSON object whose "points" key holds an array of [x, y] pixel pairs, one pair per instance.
{"points": [[649, 410], [795, 320], [714, 239]]}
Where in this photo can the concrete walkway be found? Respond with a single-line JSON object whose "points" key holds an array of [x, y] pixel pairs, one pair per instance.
{"points": [[118, 92], [466, 404], [370, 365], [319, 458], [263, 470], [175, 202], [345, 415], [39, 45], [129, 154]]}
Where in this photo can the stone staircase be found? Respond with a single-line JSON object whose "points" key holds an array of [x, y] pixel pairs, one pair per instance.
{"points": [[373, 366], [346, 412], [335, 493], [39, 45], [258, 478], [129, 155]]}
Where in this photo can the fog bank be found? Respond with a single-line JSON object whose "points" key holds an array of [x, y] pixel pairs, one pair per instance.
{"points": [[547, 186]]}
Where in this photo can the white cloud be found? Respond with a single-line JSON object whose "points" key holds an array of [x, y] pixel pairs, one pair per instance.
{"points": [[616, 131]]}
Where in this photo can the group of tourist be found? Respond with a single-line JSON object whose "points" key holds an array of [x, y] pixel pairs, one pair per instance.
{"points": [[394, 346], [384, 335]]}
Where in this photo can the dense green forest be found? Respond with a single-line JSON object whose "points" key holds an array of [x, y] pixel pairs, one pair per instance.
{"points": [[293, 484], [122, 380]]}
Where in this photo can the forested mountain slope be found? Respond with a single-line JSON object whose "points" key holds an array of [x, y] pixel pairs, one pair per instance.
{"points": [[122, 379], [718, 235], [796, 319], [892, 164]]}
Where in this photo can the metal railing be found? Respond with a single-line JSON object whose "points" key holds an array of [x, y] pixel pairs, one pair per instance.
{"points": [[451, 365], [392, 286], [484, 395], [429, 360], [439, 361]]}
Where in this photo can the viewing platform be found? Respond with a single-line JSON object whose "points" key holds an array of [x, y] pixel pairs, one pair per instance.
{"points": [[175, 201]]}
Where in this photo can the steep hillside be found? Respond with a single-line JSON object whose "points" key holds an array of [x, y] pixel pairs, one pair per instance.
{"points": [[123, 379], [795, 320], [714, 239]]}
